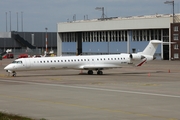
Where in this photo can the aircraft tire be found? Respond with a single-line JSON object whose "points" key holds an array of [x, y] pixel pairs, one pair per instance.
{"points": [[99, 72], [90, 72]]}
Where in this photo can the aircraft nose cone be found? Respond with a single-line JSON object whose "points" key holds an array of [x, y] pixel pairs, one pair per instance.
{"points": [[8, 67]]}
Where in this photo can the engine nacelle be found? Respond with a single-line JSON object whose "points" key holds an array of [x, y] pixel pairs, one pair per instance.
{"points": [[136, 56]]}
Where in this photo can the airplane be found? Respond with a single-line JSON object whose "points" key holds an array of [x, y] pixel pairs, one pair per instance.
{"points": [[88, 62]]}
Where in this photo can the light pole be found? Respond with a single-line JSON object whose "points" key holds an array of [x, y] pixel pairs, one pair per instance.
{"points": [[171, 2], [10, 20], [17, 21], [101, 9], [6, 21], [22, 21], [46, 39]]}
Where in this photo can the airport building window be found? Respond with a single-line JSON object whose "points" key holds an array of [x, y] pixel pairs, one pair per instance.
{"points": [[176, 28], [175, 36], [176, 55], [176, 46]]}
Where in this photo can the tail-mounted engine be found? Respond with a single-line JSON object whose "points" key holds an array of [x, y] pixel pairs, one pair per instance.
{"points": [[136, 56]]}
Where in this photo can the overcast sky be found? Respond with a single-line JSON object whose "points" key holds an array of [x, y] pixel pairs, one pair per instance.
{"points": [[39, 14]]}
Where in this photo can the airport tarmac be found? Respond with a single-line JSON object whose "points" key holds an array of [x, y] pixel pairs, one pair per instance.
{"points": [[150, 92]]}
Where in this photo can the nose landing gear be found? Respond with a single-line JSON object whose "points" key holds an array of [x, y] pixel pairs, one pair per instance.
{"points": [[13, 73]]}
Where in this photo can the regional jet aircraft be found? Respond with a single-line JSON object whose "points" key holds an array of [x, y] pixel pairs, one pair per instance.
{"points": [[88, 62]]}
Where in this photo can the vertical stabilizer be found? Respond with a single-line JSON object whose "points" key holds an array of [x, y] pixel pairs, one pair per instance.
{"points": [[151, 47]]}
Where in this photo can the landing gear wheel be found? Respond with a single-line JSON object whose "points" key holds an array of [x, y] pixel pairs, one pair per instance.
{"points": [[14, 74], [99, 72], [90, 72]]}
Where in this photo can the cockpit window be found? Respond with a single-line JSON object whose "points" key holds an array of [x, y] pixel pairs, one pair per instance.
{"points": [[17, 62]]}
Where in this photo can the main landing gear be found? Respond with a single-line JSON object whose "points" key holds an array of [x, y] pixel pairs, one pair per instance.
{"points": [[99, 72]]}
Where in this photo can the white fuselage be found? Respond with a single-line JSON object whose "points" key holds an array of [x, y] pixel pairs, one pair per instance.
{"points": [[89, 62], [92, 62]]}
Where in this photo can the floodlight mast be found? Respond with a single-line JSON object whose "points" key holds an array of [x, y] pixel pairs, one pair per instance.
{"points": [[171, 2], [101, 9]]}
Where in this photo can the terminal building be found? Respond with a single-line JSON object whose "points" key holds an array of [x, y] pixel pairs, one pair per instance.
{"points": [[101, 36], [120, 35], [32, 43]]}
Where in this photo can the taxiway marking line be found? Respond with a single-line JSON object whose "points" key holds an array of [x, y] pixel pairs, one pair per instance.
{"points": [[93, 88]]}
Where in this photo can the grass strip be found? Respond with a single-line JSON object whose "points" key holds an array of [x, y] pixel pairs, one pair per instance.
{"points": [[6, 116]]}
